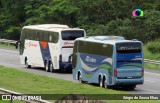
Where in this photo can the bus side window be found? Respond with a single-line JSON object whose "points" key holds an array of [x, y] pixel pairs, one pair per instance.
{"points": [[83, 47], [53, 37], [74, 56], [50, 37], [36, 36], [31, 35], [56, 37], [46, 36], [40, 36], [27, 34]]}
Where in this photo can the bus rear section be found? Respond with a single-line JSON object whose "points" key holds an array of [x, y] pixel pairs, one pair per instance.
{"points": [[129, 64], [68, 37]]}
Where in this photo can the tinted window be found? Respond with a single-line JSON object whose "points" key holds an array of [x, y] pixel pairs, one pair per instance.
{"points": [[95, 48], [53, 37], [72, 34], [128, 47], [74, 57], [46, 36]]}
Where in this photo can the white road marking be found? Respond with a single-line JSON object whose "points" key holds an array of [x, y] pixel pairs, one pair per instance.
{"points": [[150, 90], [152, 73], [149, 81]]}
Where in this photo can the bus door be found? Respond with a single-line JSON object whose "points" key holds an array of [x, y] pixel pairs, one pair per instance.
{"points": [[129, 60]]}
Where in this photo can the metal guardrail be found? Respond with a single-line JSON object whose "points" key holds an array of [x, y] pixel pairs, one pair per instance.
{"points": [[152, 61], [8, 92], [12, 42]]}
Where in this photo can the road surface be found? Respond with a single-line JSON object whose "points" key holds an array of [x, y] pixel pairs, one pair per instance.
{"points": [[10, 58]]}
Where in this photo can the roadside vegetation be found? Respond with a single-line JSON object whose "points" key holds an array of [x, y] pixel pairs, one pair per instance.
{"points": [[4, 45], [12, 101], [28, 83], [152, 51], [97, 17]]}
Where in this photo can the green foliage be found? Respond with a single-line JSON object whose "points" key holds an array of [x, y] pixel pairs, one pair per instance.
{"points": [[152, 66], [152, 50], [97, 17], [13, 32], [154, 46]]}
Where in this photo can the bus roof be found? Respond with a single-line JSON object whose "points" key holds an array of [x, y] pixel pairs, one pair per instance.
{"points": [[106, 39], [50, 27]]}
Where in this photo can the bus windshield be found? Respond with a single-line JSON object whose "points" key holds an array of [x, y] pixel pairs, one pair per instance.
{"points": [[72, 34], [123, 48]]}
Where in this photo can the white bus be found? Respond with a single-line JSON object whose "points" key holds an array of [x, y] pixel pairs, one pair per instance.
{"points": [[48, 45]]}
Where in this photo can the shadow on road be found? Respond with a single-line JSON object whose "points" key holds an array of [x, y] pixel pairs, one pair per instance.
{"points": [[119, 88], [58, 71]]}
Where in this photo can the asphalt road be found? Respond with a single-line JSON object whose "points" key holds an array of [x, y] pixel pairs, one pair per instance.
{"points": [[10, 58]]}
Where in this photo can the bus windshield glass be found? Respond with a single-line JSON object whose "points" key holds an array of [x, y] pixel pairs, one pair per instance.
{"points": [[123, 48], [72, 34]]}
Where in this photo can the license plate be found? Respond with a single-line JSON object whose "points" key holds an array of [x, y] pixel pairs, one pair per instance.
{"points": [[129, 77]]}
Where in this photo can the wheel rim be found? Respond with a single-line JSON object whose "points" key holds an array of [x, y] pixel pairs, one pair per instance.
{"points": [[51, 67], [46, 66], [105, 83], [100, 82], [80, 78]]}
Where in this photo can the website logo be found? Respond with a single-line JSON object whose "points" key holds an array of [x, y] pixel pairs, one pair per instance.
{"points": [[137, 12], [6, 97], [21, 97]]}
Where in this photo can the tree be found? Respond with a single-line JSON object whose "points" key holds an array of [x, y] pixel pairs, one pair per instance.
{"points": [[97, 17]]}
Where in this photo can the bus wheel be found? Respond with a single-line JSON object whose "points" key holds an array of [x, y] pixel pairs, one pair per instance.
{"points": [[26, 63], [80, 77], [105, 82], [46, 66], [100, 81], [132, 87], [51, 67]]}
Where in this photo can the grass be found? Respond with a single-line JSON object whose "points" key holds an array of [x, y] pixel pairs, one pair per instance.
{"points": [[152, 56], [149, 55], [7, 45], [11, 102], [28, 83], [152, 66]]}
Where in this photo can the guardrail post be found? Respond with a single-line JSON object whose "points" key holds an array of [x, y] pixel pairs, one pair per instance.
{"points": [[11, 99]]}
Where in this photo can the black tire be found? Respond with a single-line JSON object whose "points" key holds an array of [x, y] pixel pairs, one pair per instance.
{"points": [[80, 78], [51, 67], [105, 83], [100, 81], [132, 87], [47, 66], [26, 63]]}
